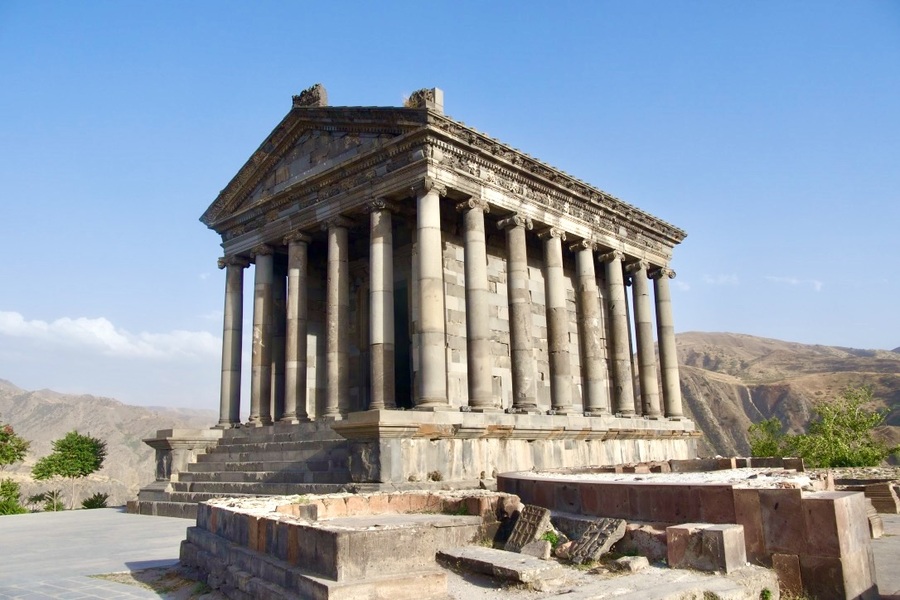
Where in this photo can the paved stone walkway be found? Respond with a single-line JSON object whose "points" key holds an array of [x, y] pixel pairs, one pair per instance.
{"points": [[51, 555]]}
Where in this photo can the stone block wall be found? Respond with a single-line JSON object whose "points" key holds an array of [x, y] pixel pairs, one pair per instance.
{"points": [[818, 541]]}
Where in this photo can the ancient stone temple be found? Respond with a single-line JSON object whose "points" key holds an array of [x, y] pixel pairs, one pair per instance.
{"points": [[450, 306]]}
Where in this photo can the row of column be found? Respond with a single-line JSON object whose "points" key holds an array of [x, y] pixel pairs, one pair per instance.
{"points": [[286, 390]]}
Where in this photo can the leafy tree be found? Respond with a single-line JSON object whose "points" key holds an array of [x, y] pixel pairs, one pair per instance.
{"points": [[9, 498], [74, 457], [12, 446], [841, 435], [767, 439], [50, 501]]}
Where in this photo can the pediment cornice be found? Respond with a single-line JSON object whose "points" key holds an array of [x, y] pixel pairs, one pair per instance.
{"points": [[298, 121]]}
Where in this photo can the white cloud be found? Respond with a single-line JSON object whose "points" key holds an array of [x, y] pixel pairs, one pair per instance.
{"points": [[730, 279], [682, 285], [203, 276], [101, 336], [815, 284]]}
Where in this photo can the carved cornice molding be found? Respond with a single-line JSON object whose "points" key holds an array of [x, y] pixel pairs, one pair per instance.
{"points": [[233, 261], [314, 95], [473, 204], [661, 273], [516, 220]]}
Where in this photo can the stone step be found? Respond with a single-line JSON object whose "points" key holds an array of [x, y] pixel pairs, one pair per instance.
{"points": [[256, 574], [508, 566], [342, 548], [292, 475], [262, 454], [286, 445], [281, 433], [220, 489], [313, 465], [177, 497]]}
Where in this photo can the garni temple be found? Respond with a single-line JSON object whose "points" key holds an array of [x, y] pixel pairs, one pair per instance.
{"points": [[430, 307]]}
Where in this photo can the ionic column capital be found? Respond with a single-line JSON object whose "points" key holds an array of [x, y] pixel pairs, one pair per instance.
{"points": [[515, 220], [297, 237], [582, 245], [428, 184], [377, 204], [661, 273], [262, 250], [638, 265], [552, 232], [233, 261], [611, 256], [473, 204], [336, 221]]}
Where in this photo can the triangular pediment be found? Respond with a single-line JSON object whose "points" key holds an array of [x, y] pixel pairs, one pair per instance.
{"points": [[305, 144]]}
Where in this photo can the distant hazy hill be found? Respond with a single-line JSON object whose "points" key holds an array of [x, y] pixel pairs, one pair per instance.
{"points": [[43, 416], [731, 380]]}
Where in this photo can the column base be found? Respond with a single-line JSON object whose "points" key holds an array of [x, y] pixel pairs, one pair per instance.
{"points": [[563, 410], [227, 425], [434, 407], [678, 418], [596, 413], [330, 418], [259, 422], [483, 409], [628, 415]]}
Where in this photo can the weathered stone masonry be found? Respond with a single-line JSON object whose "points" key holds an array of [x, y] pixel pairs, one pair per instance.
{"points": [[404, 260]]}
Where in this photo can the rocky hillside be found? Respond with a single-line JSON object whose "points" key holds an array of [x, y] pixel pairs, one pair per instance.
{"points": [[731, 380], [43, 416]]}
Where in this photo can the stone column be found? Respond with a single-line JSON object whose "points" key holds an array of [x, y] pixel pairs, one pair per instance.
{"points": [[381, 305], [665, 333], [261, 374], [520, 338], [557, 322], [478, 327], [232, 329], [337, 317], [297, 314], [432, 391], [590, 331], [643, 319], [279, 326], [620, 362]]}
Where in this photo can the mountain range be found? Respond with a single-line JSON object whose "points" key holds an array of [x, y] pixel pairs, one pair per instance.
{"points": [[728, 381]]}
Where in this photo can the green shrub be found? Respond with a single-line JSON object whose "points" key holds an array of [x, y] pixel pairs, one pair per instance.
{"points": [[767, 439], [9, 498], [840, 435], [50, 501], [98, 500]]}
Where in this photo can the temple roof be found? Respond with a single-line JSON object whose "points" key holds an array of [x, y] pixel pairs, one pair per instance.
{"points": [[314, 138]]}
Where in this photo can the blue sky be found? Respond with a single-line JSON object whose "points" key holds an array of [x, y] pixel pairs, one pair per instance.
{"points": [[770, 131]]}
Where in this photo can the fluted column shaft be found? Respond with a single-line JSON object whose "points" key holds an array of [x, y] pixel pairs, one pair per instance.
{"points": [[520, 338], [279, 329], [337, 317], [232, 329], [620, 361], [432, 390], [381, 305], [297, 315], [261, 373], [557, 322], [590, 331], [478, 330], [643, 319], [665, 333]]}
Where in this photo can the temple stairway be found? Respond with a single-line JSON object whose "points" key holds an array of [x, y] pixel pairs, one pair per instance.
{"points": [[283, 459]]}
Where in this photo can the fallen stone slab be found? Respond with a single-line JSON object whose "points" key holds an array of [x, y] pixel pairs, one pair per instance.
{"points": [[538, 549], [706, 547], [597, 540], [508, 566], [531, 524], [630, 563]]}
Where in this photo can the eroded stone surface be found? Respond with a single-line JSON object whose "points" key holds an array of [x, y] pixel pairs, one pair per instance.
{"points": [[597, 540], [532, 523]]}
